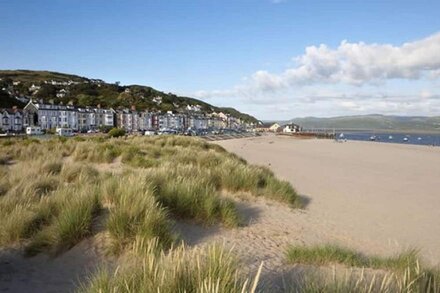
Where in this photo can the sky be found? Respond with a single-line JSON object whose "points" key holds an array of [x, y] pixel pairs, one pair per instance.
{"points": [[274, 59]]}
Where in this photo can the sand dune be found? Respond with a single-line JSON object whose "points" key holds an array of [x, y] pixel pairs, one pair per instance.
{"points": [[378, 198]]}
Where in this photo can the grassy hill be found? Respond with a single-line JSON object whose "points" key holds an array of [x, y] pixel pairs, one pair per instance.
{"points": [[91, 92], [379, 122]]}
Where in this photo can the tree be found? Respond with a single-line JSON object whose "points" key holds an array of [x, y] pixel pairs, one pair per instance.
{"points": [[86, 100], [47, 91]]}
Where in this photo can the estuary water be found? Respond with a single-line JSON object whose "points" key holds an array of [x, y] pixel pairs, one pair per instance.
{"points": [[398, 137]]}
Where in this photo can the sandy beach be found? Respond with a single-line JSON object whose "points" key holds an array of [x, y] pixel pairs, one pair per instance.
{"points": [[372, 197], [378, 198]]}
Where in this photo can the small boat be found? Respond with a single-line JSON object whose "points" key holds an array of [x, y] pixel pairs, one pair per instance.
{"points": [[341, 136], [419, 138], [390, 137], [373, 138], [405, 139]]}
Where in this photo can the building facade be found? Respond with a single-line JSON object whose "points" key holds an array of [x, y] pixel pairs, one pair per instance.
{"points": [[11, 120]]}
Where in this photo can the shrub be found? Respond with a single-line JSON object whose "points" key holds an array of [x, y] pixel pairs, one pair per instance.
{"points": [[116, 132]]}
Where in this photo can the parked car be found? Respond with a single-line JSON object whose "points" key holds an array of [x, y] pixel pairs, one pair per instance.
{"points": [[33, 131], [64, 131], [150, 132]]}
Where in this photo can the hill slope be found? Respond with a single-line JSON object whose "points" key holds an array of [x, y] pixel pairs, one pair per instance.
{"points": [[82, 91], [382, 122]]}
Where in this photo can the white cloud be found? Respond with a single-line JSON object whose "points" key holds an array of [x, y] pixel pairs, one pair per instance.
{"points": [[357, 64], [352, 78]]}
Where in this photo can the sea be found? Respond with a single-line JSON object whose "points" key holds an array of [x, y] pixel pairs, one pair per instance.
{"points": [[428, 139]]}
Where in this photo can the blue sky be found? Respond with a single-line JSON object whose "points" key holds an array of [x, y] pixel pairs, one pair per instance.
{"points": [[263, 57]]}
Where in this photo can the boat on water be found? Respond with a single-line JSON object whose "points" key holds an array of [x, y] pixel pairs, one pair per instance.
{"points": [[341, 136], [390, 137], [405, 139], [419, 138], [373, 138]]}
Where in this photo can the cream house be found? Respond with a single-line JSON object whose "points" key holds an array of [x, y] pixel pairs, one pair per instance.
{"points": [[275, 127]]}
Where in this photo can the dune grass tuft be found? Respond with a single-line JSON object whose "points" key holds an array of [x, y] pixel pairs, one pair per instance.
{"points": [[400, 273], [334, 254], [134, 213], [214, 269]]}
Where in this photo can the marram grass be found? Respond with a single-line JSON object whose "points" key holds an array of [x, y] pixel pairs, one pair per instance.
{"points": [[334, 254], [56, 193], [400, 273], [149, 269]]}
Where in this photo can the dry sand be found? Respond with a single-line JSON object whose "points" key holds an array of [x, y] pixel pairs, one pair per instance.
{"points": [[375, 197]]}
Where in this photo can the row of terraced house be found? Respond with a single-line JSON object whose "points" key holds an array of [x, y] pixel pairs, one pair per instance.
{"points": [[50, 116]]}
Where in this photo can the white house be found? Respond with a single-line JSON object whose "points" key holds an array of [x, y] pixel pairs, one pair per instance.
{"points": [[61, 93], [171, 121], [34, 88], [146, 120], [197, 122], [291, 128], [68, 117], [104, 117], [47, 116], [127, 119], [157, 100], [275, 127], [11, 120], [84, 118]]}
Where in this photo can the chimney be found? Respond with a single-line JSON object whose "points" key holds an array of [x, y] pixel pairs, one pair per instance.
{"points": [[133, 108], [98, 106], [51, 101], [14, 108]]}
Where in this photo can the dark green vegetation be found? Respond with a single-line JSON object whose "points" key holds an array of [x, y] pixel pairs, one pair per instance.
{"points": [[370, 122], [116, 132], [8, 102], [402, 273], [93, 92]]}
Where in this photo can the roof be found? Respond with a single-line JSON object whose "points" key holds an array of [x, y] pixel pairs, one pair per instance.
{"points": [[292, 125], [265, 125], [11, 111]]}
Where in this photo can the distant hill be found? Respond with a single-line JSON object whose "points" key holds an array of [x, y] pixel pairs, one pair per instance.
{"points": [[83, 91], [372, 122]]}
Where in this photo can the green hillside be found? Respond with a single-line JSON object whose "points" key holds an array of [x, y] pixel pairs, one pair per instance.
{"points": [[91, 92], [377, 122]]}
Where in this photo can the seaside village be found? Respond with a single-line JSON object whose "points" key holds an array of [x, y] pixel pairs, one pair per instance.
{"points": [[38, 116]]}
